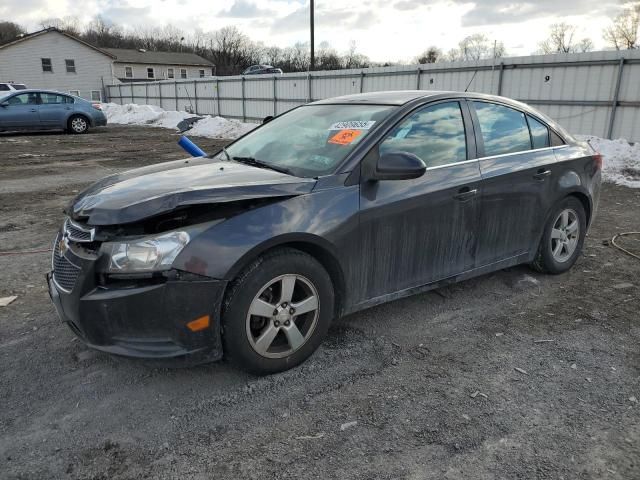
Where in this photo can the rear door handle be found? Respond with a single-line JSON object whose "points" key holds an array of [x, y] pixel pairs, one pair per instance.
{"points": [[542, 174], [465, 193], [34, 110]]}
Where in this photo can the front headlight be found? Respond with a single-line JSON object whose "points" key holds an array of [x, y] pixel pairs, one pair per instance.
{"points": [[149, 254]]}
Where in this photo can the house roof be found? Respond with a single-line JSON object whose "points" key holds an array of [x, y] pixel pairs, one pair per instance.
{"points": [[127, 55], [29, 36]]}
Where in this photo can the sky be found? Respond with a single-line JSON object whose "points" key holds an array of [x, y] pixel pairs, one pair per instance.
{"points": [[381, 29]]}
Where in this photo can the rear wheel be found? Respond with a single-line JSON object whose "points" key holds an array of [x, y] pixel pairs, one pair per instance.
{"points": [[277, 312], [563, 238], [78, 124]]}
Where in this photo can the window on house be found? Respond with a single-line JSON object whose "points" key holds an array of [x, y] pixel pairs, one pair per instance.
{"points": [[128, 72], [96, 96], [151, 73], [75, 92], [170, 73], [202, 73], [46, 65], [183, 73], [71, 66]]}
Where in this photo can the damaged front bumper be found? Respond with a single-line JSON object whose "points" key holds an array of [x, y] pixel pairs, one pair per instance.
{"points": [[144, 318]]}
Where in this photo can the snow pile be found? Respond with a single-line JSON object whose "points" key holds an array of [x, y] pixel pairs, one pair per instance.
{"points": [[149, 115], [621, 161], [218, 127], [152, 116]]}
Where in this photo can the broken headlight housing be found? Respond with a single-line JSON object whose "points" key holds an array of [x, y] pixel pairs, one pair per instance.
{"points": [[149, 254]]}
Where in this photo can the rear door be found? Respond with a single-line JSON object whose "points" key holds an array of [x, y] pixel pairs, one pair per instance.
{"points": [[517, 169], [54, 109], [20, 111], [414, 232]]}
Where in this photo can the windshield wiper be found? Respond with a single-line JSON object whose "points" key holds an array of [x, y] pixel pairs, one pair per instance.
{"points": [[260, 164]]}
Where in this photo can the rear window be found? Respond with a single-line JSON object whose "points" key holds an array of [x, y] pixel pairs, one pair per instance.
{"points": [[504, 130]]}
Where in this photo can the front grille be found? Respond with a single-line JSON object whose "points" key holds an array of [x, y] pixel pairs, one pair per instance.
{"points": [[78, 233], [65, 273]]}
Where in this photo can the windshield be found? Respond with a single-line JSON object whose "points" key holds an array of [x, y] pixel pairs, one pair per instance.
{"points": [[309, 141]]}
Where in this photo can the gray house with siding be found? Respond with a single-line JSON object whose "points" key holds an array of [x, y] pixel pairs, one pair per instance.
{"points": [[55, 60]]}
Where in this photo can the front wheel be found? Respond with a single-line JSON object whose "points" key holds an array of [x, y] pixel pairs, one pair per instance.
{"points": [[563, 238], [78, 124], [277, 312]]}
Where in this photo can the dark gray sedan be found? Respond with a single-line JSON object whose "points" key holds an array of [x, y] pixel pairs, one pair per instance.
{"points": [[325, 210], [49, 110]]}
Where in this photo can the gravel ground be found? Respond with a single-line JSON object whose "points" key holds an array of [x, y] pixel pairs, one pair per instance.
{"points": [[511, 375]]}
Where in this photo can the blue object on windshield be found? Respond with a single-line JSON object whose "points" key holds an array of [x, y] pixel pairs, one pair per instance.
{"points": [[191, 148]]}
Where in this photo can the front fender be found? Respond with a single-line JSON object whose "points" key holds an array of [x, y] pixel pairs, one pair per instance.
{"points": [[327, 219]]}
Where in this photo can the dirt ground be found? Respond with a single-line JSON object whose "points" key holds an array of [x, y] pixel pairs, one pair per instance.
{"points": [[514, 375]]}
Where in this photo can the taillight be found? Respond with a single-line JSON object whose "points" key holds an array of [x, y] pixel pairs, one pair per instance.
{"points": [[597, 158], [97, 106]]}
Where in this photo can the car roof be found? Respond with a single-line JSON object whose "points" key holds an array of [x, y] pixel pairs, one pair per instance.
{"points": [[40, 90], [398, 97]]}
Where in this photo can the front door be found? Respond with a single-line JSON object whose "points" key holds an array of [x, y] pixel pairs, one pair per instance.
{"points": [[414, 232], [20, 111], [517, 167]]}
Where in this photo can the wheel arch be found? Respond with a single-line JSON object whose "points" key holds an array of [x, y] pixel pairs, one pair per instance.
{"points": [[78, 114], [586, 203], [312, 245]]}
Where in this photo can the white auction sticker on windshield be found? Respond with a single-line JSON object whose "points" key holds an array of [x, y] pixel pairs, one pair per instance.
{"points": [[353, 125]]}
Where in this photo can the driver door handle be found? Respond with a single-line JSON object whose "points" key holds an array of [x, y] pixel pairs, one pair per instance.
{"points": [[542, 174], [465, 193], [34, 110]]}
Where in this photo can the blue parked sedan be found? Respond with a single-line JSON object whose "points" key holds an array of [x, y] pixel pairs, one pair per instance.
{"points": [[49, 110]]}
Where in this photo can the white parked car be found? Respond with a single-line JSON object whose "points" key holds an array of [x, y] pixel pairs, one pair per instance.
{"points": [[8, 88]]}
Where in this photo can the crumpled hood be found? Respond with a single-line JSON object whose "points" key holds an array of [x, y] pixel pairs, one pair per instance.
{"points": [[144, 192]]}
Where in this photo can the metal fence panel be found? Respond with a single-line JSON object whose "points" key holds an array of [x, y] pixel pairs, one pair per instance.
{"points": [[594, 93]]}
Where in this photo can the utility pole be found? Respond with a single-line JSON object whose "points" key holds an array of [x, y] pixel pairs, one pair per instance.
{"points": [[313, 59]]}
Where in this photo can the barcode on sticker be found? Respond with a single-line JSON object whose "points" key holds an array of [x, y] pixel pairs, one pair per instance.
{"points": [[353, 125]]}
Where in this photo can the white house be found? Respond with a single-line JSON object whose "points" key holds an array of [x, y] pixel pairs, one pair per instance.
{"points": [[55, 60]]}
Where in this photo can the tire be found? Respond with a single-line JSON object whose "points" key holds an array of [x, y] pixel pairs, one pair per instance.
{"points": [[552, 256], [78, 124], [283, 337]]}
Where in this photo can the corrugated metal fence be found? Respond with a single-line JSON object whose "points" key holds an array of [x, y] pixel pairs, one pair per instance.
{"points": [[595, 93]]}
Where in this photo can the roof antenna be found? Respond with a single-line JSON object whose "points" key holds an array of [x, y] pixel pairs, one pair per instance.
{"points": [[470, 81]]}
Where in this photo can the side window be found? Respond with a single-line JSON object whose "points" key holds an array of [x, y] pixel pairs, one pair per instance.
{"points": [[4, 87], [435, 134], [70, 65], [24, 99], [539, 133], [556, 140], [128, 72], [46, 65], [96, 96], [504, 130], [51, 98], [183, 73], [75, 92], [170, 73], [151, 73]]}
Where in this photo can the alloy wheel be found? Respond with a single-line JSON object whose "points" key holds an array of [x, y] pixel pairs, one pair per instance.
{"points": [[565, 235], [282, 316], [79, 124]]}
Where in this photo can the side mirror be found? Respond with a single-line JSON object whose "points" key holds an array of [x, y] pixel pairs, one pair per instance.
{"points": [[399, 166]]}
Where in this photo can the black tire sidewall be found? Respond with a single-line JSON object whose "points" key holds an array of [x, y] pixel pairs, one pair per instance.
{"points": [[236, 344], [549, 263]]}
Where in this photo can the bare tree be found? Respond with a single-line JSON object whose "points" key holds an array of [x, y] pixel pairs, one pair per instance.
{"points": [[10, 31], [69, 24], [622, 34], [561, 40], [430, 55]]}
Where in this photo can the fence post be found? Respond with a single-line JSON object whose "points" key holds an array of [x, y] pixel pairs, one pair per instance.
{"points": [[616, 96], [244, 111], [175, 90], [418, 78], [120, 93], [218, 95], [309, 95], [131, 87], [160, 93], [361, 80], [275, 97], [195, 96], [146, 93], [500, 73]]}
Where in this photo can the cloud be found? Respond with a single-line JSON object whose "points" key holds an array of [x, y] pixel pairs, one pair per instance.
{"points": [[245, 9], [337, 17]]}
